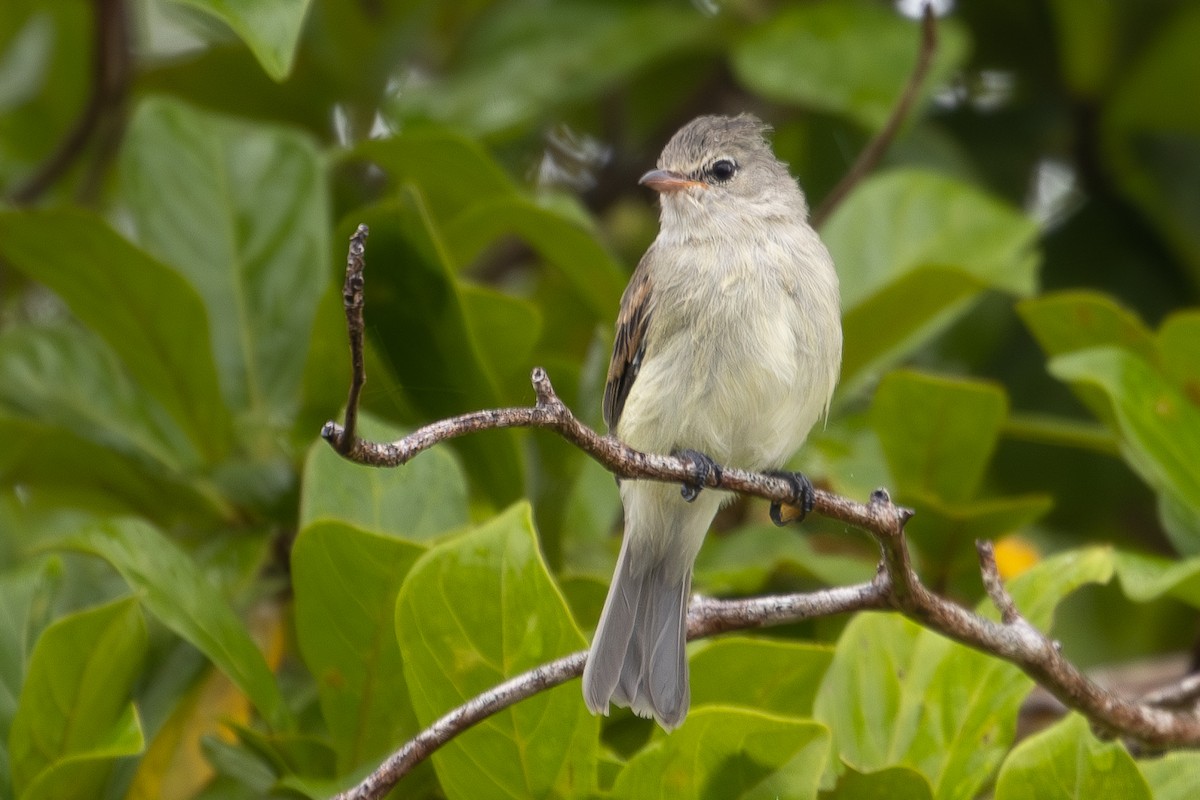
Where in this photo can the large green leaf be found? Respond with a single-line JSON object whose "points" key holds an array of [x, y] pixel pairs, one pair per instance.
{"points": [[899, 695], [562, 241], [1063, 322], [472, 613], [346, 581], [745, 560], [938, 433], [62, 375], [725, 752], [777, 677], [1151, 141], [241, 211], [271, 28], [150, 317], [1147, 577], [181, 595], [1172, 776], [75, 717], [935, 244], [1179, 351], [416, 501], [893, 783], [22, 592], [1159, 427], [419, 318], [1067, 761], [516, 66], [849, 58]]}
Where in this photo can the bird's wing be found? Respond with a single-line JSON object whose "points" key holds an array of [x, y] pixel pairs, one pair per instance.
{"points": [[630, 345]]}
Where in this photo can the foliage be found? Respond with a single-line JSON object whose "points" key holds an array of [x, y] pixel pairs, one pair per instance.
{"points": [[198, 599]]}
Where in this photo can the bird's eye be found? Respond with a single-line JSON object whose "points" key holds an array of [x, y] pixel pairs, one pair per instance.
{"points": [[723, 169]]}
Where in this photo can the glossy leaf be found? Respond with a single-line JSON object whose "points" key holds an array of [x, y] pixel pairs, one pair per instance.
{"points": [[515, 67], [936, 244], [271, 28], [472, 613], [1063, 322], [346, 581], [1159, 427], [563, 242], [1067, 761], [898, 695], [180, 594], [241, 211], [419, 319], [98, 402], [773, 676], [417, 501], [849, 58], [893, 783], [22, 590], [725, 752], [1172, 776], [938, 433], [147, 314], [75, 716]]}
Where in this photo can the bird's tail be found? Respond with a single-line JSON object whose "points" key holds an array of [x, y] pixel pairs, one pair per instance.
{"points": [[638, 656]]}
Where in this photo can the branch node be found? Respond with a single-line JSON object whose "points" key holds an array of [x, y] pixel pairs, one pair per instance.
{"points": [[994, 584]]}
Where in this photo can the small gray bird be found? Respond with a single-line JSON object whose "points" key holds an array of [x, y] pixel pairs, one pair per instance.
{"points": [[729, 344]]}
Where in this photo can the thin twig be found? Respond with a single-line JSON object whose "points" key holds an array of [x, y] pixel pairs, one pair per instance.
{"points": [[896, 586], [111, 71], [352, 302], [870, 156]]}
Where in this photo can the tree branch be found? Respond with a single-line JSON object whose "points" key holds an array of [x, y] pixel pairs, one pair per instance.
{"points": [[896, 585], [111, 69], [871, 155]]}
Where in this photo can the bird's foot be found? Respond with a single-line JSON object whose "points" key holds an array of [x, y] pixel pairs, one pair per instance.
{"points": [[702, 467], [803, 497]]}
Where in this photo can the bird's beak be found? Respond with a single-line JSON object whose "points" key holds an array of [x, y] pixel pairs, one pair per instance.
{"points": [[664, 181]]}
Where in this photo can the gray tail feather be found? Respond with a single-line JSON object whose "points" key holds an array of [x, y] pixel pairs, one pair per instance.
{"points": [[638, 656]]}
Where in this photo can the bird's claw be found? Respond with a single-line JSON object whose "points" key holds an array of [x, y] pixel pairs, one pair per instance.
{"points": [[803, 497], [703, 467]]}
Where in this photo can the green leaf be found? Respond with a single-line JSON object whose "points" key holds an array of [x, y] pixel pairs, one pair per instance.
{"points": [[938, 433], [98, 402], [451, 170], [515, 69], [1151, 142], [894, 783], [183, 598], [776, 677], [22, 597], [725, 752], [899, 695], [1147, 577], [1179, 352], [472, 613], [419, 318], [1063, 322], [743, 561], [562, 241], [74, 716], [1173, 776], [346, 581], [270, 28], [147, 314], [417, 501], [935, 245], [1067, 761], [258, 195], [1159, 427], [848, 58]]}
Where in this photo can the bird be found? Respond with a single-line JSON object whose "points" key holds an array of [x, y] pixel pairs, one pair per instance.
{"points": [[727, 352]]}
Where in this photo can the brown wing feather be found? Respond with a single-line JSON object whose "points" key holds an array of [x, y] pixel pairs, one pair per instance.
{"points": [[630, 345]]}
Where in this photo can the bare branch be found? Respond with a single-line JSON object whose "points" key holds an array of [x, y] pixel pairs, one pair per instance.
{"points": [[111, 71], [896, 586], [871, 155]]}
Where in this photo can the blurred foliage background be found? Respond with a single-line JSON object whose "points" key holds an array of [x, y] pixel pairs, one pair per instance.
{"points": [[199, 599]]}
